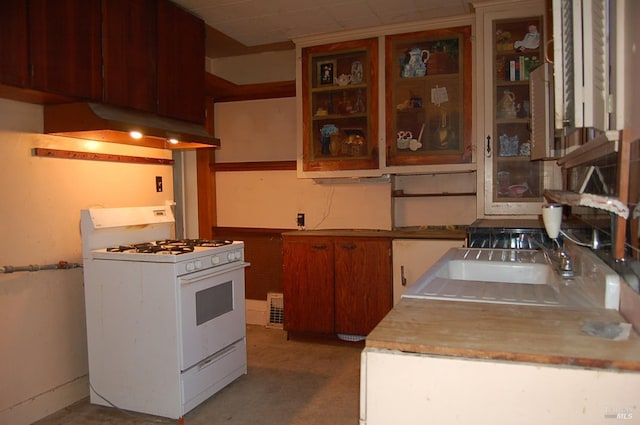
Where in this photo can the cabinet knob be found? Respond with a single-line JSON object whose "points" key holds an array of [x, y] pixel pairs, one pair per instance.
{"points": [[319, 247], [489, 146], [348, 246]]}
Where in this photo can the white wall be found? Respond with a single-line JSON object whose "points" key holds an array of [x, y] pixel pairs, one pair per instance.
{"points": [[258, 130], [272, 200], [255, 68], [43, 354], [265, 130]]}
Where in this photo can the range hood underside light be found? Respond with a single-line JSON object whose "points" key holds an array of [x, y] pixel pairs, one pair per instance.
{"points": [[93, 121]]}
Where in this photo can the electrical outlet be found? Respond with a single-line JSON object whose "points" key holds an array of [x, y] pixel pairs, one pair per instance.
{"points": [[158, 183], [300, 219]]}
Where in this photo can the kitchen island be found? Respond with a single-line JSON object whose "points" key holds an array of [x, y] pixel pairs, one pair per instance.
{"points": [[449, 362]]}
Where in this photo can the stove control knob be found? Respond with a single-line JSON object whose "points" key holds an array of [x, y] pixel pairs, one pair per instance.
{"points": [[198, 264], [238, 255], [230, 256], [190, 267], [215, 260]]}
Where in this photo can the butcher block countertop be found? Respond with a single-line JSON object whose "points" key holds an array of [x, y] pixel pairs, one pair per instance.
{"points": [[548, 335]]}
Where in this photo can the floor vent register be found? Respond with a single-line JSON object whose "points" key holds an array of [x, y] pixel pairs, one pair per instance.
{"points": [[276, 310]]}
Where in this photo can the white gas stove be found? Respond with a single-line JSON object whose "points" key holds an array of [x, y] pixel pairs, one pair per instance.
{"points": [[189, 255], [165, 317]]}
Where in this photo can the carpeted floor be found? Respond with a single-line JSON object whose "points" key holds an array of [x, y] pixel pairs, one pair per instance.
{"points": [[288, 383]]}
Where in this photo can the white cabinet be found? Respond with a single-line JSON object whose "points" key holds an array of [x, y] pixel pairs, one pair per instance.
{"points": [[413, 257], [408, 388]]}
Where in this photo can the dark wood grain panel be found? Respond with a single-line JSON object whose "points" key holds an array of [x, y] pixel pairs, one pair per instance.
{"points": [[14, 66], [363, 283], [130, 53], [263, 249], [65, 44], [181, 63], [308, 285]]}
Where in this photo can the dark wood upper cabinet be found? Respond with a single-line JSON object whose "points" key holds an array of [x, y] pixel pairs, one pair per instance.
{"points": [[65, 47], [129, 49], [181, 63], [14, 66]]}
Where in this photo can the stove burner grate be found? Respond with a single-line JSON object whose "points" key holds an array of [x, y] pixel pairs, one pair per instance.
{"points": [[209, 243], [169, 246]]}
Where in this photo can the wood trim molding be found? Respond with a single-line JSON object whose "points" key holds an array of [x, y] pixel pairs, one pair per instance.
{"points": [[220, 45], [222, 90], [207, 217], [254, 166], [94, 156], [250, 230]]}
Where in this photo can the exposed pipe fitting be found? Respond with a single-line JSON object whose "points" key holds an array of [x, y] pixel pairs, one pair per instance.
{"points": [[61, 265]]}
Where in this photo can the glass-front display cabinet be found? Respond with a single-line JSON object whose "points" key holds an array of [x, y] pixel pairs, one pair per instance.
{"points": [[340, 106], [428, 107], [517, 48]]}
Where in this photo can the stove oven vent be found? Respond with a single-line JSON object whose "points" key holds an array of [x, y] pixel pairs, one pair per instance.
{"points": [[276, 310]]}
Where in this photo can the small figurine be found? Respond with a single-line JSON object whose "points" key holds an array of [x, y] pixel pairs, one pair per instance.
{"points": [[531, 40]]}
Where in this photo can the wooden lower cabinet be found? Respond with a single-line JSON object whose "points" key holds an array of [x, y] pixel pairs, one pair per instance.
{"points": [[336, 285], [308, 289]]}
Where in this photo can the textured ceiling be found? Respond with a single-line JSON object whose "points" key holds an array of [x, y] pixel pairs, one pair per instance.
{"points": [[260, 22]]}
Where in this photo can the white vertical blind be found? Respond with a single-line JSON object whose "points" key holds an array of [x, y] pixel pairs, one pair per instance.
{"points": [[595, 60], [581, 63]]}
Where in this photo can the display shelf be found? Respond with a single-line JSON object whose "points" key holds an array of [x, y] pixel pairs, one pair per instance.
{"points": [[516, 51], [340, 106], [428, 102], [603, 145], [401, 194]]}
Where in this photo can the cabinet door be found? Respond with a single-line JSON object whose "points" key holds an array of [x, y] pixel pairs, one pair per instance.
{"points": [[66, 54], [181, 63], [428, 108], [340, 106], [515, 177], [130, 53], [308, 292], [13, 43], [513, 46], [413, 257], [362, 284]]}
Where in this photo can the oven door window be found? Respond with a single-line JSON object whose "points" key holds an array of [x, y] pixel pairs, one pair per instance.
{"points": [[213, 302], [211, 312]]}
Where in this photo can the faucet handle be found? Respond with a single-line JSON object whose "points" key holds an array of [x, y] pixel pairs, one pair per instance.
{"points": [[566, 265]]}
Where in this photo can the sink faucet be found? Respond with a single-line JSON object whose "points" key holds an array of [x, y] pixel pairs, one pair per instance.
{"points": [[558, 256]]}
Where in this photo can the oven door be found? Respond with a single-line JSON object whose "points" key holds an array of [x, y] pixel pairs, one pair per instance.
{"points": [[212, 311]]}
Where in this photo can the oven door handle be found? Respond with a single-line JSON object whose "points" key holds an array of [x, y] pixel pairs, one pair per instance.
{"points": [[187, 280]]}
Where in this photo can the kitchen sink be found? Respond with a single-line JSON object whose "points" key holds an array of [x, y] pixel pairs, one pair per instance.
{"points": [[519, 276], [503, 276], [488, 271]]}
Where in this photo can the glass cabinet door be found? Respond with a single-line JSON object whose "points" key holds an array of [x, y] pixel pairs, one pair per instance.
{"points": [[517, 46], [340, 106], [428, 107]]}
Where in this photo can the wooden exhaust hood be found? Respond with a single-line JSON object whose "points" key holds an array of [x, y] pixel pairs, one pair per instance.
{"points": [[105, 123]]}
